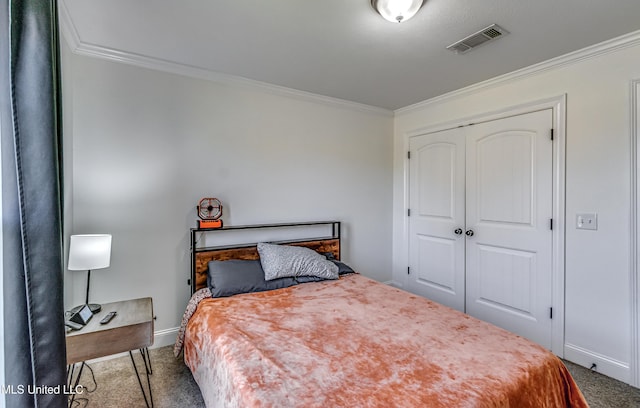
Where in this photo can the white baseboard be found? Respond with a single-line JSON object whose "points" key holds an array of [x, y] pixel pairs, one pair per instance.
{"points": [[166, 337], [604, 365], [161, 338]]}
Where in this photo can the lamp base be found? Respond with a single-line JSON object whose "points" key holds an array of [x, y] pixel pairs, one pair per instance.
{"points": [[94, 307]]}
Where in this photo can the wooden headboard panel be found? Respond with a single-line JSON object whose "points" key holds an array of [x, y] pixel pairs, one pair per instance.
{"points": [[202, 256], [250, 253]]}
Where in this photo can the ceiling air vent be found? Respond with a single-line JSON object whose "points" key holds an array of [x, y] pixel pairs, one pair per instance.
{"points": [[483, 36]]}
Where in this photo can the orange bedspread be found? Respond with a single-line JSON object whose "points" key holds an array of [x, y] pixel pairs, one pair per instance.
{"points": [[358, 343]]}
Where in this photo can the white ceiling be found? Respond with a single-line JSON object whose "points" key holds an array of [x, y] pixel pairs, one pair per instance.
{"points": [[342, 48]]}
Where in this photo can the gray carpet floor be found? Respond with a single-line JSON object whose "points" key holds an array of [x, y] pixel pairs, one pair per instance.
{"points": [[116, 385], [602, 391], [172, 385]]}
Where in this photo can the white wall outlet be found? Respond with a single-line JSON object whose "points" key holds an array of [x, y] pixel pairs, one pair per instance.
{"points": [[588, 221]]}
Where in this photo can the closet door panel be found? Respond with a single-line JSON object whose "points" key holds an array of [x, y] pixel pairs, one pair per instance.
{"points": [[503, 178], [436, 198], [509, 208]]}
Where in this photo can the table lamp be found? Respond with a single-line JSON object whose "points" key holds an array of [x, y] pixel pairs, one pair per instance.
{"points": [[87, 252]]}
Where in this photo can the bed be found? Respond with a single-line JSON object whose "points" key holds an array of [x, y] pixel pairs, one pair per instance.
{"points": [[351, 342]]}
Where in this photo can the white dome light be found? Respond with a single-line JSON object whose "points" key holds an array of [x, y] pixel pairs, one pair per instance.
{"points": [[397, 11]]}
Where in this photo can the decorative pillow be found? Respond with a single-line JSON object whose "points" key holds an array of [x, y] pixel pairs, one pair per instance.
{"points": [[227, 278], [279, 261]]}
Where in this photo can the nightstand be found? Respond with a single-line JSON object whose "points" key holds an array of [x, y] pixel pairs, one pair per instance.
{"points": [[130, 329]]}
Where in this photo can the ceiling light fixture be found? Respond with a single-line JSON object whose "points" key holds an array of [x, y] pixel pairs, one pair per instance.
{"points": [[397, 11]]}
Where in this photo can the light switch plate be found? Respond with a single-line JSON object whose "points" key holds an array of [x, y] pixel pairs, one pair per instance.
{"points": [[588, 221]]}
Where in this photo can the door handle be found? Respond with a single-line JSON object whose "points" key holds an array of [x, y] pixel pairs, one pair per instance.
{"points": [[458, 231], [469, 233]]}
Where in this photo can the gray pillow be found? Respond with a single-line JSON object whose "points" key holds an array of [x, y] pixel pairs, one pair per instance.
{"points": [[343, 268], [279, 261], [306, 279], [227, 278]]}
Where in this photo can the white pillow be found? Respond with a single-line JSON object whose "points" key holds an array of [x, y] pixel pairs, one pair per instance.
{"points": [[281, 261]]}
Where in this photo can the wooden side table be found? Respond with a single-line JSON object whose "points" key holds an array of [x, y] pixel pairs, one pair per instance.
{"points": [[130, 329]]}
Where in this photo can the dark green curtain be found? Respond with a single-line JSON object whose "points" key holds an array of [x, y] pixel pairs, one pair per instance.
{"points": [[34, 336]]}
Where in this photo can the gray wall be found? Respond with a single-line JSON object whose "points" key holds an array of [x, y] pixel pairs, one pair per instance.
{"points": [[598, 177], [145, 146]]}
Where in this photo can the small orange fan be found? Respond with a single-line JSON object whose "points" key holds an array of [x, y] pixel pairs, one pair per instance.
{"points": [[209, 211]]}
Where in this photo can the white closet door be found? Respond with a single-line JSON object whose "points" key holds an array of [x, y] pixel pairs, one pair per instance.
{"points": [[436, 196], [509, 210]]}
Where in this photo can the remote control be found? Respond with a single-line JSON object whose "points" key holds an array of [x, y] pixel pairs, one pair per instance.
{"points": [[108, 317]]}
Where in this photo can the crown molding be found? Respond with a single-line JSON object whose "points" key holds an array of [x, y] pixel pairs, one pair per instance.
{"points": [[605, 47], [66, 26], [80, 47]]}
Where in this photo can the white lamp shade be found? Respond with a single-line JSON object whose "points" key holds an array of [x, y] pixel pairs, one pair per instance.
{"points": [[88, 252], [397, 11]]}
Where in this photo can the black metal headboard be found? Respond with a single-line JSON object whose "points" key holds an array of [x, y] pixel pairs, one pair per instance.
{"points": [[200, 256]]}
